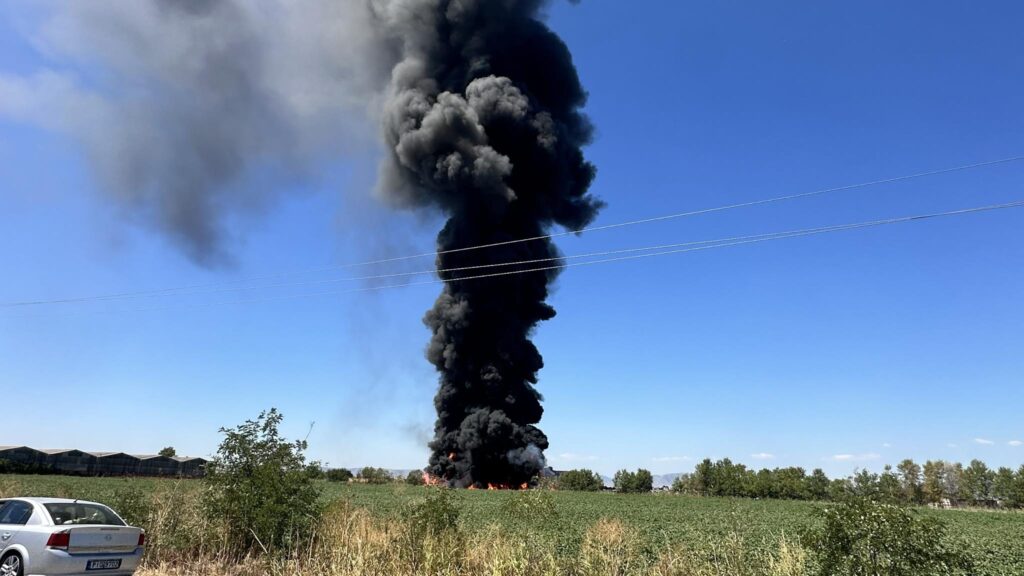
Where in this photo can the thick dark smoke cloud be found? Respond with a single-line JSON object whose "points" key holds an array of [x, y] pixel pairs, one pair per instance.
{"points": [[195, 112], [185, 107], [483, 120]]}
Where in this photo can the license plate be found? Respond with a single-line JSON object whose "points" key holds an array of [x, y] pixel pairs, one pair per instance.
{"points": [[103, 564]]}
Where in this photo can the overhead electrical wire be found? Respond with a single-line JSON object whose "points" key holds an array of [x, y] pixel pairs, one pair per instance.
{"points": [[616, 255], [191, 290]]}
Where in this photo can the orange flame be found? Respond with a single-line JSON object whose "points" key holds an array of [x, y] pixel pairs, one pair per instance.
{"points": [[490, 486], [429, 480]]}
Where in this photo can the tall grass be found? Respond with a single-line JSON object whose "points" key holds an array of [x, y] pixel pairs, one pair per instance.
{"points": [[430, 540], [352, 542]]}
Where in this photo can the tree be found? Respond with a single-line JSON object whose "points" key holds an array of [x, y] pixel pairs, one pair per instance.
{"points": [[684, 484], [731, 479], [865, 484], [910, 480], [339, 475], [840, 488], [168, 452], [952, 475], [890, 489], [790, 483], [976, 482], [415, 478], [816, 485], [933, 487], [624, 481], [260, 486], [702, 480], [580, 480], [372, 475], [644, 480], [633, 482], [763, 484], [723, 478], [1017, 493], [1002, 486]]}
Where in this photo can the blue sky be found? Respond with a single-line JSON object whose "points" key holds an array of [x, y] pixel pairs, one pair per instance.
{"points": [[837, 351]]}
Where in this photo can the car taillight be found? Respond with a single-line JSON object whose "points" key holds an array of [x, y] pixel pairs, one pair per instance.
{"points": [[142, 538], [59, 540]]}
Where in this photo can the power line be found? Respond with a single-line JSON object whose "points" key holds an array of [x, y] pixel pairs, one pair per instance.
{"points": [[186, 289], [682, 248], [439, 271]]}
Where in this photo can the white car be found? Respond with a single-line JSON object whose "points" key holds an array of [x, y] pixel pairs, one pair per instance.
{"points": [[61, 537]]}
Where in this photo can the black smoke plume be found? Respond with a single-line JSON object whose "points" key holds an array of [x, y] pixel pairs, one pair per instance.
{"points": [[195, 114], [483, 120], [183, 108]]}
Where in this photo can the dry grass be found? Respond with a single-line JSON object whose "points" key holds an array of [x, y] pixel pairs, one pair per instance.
{"points": [[350, 541]]}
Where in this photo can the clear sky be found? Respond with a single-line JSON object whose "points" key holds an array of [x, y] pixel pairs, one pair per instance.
{"points": [[837, 351]]}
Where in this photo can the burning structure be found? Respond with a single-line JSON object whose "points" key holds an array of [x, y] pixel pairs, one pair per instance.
{"points": [[483, 122]]}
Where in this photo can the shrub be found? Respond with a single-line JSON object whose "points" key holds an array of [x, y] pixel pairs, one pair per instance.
{"points": [[260, 487], [862, 537], [437, 514], [580, 480], [131, 504], [414, 478]]}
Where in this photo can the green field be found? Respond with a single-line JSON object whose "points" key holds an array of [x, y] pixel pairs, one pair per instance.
{"points": [[994, 539]]}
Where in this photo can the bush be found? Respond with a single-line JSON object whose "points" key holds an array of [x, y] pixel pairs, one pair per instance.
{"points": [[862, 537], [414, 478], [131, 504], [339, 475], [260, 487], [437, 514], [581, 481]]}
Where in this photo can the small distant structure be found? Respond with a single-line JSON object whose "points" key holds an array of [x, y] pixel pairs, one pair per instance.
{"points": [[80, 463], [549, 472]]}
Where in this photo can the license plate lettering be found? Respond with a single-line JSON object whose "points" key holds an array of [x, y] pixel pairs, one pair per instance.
{"points": [[103, 564]]}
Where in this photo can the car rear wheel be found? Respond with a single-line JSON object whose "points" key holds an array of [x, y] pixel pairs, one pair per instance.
{"points": [[11, 565]]}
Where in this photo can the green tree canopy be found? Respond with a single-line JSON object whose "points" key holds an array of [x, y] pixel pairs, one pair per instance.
{"points": [[580, 480], [372, 475], [339, 475]]}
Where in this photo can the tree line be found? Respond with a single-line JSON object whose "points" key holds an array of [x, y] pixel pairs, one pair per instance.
{"points": [[908, 483], [911, 483]]}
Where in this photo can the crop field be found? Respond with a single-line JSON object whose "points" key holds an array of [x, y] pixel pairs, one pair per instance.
{"points": [[994, 539]]}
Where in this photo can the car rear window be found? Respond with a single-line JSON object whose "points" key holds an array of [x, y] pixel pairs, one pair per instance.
{"points": [[78, 513]]}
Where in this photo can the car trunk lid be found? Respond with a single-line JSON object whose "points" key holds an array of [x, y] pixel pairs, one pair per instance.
{"points": [[103, 539]]}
